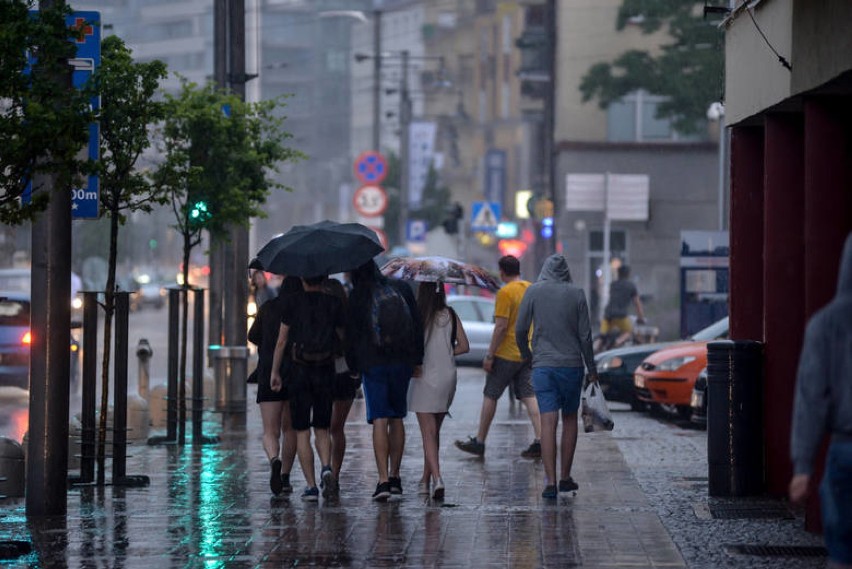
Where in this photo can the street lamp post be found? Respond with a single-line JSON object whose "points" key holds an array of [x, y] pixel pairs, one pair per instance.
{"points": [[716, 113]]}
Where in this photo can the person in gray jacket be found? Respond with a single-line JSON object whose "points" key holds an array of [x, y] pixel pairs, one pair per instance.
{"points": [[823, 405], [561, 343]]}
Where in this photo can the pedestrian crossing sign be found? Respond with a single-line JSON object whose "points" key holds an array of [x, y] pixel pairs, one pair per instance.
{"points": [[485, 216]]}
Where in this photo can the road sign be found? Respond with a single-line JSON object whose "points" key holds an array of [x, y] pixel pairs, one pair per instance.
{"points": [[485, 216], [415, 230], [371, 167], [370, 200]]}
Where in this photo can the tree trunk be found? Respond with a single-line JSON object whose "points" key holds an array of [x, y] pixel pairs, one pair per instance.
{"points": [[184, 294], [109, 309]]}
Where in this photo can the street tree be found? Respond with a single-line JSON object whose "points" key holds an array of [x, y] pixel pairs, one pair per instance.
{"points": [[433, 205], [688, 71], [127, 112], [219, 159], [42, 128]]}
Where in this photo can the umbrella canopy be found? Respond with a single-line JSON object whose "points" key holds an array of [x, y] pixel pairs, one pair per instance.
{"points": [[434, 269], [322, 248]]}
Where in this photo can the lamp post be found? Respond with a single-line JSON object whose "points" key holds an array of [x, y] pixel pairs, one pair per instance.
{"points": [[716, 113]]}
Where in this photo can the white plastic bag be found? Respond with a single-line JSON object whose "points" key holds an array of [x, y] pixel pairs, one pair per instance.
{"points": [[596, 416]]}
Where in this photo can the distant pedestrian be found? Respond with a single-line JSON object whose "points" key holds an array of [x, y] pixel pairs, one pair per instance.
{"points": [[386, 345], [622, 293], [274, 406], [312, 325], [561, 343], [261, 289], [504, 364], [823, 406], [432, 390], [346, 384]]}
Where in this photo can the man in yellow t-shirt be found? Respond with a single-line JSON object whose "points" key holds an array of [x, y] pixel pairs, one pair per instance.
{"points": [[503, 362]]}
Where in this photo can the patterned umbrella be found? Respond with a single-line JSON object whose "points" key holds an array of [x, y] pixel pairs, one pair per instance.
{"points": [[434, 269]]}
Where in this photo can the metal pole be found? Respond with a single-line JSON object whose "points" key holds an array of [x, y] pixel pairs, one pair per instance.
{"points": [[607, 268], [550, 125], [404, 120], [119, 415], [173, 378], [89, 396], [198, 366], [377, 80], [722, 133]]}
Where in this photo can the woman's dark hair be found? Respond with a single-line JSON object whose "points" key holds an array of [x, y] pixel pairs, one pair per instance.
{"points": [[431, 300], [314, 281], [366, 275], [290, 285], [335, 288]]}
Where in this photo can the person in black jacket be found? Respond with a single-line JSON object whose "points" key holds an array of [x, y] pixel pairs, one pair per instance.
{"points": [[385, 374], [274, 410]]}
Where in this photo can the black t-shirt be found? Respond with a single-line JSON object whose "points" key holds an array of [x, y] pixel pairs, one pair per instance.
{"points": [[312, 316], [621, 294]]}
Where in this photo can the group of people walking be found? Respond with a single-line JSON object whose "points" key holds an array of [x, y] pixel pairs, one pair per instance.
{"points": [[317, 345]]}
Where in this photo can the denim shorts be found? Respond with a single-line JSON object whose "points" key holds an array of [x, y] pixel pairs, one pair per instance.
{"points": [[386, 391], [558, 388], [836, 501]]}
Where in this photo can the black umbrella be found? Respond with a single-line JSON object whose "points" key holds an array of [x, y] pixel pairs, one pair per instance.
{"points": [[323, 248]]}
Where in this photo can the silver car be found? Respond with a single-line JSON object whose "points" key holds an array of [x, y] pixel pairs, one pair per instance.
{"points": [[477, 316]]}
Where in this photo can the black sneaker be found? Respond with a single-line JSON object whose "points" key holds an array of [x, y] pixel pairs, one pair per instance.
{"points": [[471, 445], [568, 485], [382, 492], [532, 451], [328, 483], [549, 492], [286, 487], [395, 483], [275, 483]]}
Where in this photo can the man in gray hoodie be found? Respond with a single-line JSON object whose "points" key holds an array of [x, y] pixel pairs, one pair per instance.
{"points": [[823, 406], [561, 344]]}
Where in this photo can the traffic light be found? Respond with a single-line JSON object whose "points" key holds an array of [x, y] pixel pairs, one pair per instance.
{"points": [[454, 213], [199, 213]]}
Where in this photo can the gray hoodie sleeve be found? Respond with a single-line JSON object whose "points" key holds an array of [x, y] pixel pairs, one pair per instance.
{"points": [[812, 402], [584, 331], [522, 327]]}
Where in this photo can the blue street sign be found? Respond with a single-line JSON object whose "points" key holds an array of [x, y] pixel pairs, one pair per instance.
{"points": [[415, 231], [485, 216]]}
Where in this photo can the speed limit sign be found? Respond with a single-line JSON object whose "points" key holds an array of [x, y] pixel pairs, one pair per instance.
{"points": [[370, 201]]}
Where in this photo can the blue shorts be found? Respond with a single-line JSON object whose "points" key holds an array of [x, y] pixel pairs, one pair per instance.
{"points": [[558, 388], [836, 501], [386, 391]]}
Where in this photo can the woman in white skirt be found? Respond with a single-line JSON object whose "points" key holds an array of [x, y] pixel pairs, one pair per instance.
{"points": [[431, 392]]}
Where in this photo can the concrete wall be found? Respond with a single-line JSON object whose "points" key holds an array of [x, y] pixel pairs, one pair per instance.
{"points": [[683, 195]]}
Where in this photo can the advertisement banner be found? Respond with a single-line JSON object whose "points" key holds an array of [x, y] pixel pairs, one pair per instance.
{"points": [[421, 152]]}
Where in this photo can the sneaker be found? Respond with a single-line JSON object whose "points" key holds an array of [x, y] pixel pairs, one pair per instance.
{"points": [[328, 483], [550, 492], [533, 451], [286, 487], [382, 492], [275, 476], [568, 485], [438, 489], [423, 488], [472, 446], [395, 485], [311, 494]]}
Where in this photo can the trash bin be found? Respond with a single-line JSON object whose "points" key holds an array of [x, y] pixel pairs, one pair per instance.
{"points": [[11, 468], [735, 418], [230, 372]]}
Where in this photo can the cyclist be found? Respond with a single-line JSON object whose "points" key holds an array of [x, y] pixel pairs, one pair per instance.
{"points": [[621, 293]]}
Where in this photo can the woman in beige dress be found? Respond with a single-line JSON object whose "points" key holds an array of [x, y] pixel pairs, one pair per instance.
{"points": [[431, 392]]}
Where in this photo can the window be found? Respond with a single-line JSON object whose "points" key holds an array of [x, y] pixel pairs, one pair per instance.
{"points": [[633, 119]]}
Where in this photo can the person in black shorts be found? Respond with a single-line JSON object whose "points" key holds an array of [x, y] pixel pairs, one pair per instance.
{"points": [[274, 410], [311, 329]]}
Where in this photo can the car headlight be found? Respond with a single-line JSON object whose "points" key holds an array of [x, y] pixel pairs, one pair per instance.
{"points": [[675, 364], [77, 303], [639, 381], [610, 363]]}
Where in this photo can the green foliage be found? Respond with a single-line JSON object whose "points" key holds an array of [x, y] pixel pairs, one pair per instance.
{"points": [[42, 127], [433, 205], [689, 71]]}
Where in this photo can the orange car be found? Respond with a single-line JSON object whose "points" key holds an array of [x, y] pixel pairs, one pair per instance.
{"points": [[667, 377]]}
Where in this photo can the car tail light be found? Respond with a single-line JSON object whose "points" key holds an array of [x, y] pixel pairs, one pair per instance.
{"points": [[27, 338]]}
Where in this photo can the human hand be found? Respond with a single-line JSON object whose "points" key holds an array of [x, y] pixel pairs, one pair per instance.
{"points": [[275, 382], [418, 371], [799, 488], [488, 363]]}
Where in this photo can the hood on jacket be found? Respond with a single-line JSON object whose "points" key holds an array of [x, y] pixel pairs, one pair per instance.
{"points": [[844, 278], [555, 269]]}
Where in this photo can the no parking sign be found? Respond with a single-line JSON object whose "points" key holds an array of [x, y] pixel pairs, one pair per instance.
{"points": [[371, 167]]}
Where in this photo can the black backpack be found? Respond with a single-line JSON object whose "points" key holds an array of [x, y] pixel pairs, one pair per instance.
{"points": [[314, 335], [391, 322]]}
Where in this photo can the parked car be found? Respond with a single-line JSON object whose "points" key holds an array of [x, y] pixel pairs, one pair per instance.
{"points": [[148, 295], [477, 316], [666, 377], [15, 340], [616, 367], [698, 401]]}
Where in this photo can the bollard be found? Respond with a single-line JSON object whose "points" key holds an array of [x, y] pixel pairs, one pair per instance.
{"points": [[144, 351], [11, 468], [138, 418], [158, 407]]}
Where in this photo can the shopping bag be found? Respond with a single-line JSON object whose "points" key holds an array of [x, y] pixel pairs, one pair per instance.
{"points": [[596, 416]]}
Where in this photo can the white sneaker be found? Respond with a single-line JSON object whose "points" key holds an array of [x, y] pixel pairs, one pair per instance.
{"points": [[438, 489], [423, 488]]}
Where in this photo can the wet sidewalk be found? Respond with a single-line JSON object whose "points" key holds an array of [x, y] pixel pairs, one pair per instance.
{"points": [[211, 507]]}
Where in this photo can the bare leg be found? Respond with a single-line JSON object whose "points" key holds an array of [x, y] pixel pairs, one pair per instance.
{"points": [[531, 404], [621, 339], [288, 453], [270, 413], [569, 443], [322, 442], [306, 456], [548, 444], [397, 445], [380, 447], [429, 432], [486, 415], [339, 412]]}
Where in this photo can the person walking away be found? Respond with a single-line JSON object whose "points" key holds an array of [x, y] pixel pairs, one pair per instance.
{"points": [[561, 343], [274, 406], [346, 383], [263, 291], [823, 405], [503, 363], [312, 323], [432, 390], [386, 345], [616, 314]]}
